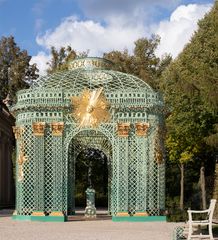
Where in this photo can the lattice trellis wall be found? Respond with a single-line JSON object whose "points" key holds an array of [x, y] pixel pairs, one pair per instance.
{"points": [[49, 141]]}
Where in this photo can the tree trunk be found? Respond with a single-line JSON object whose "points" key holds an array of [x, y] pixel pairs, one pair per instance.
{"points": [[181, 204], [202, 183]]}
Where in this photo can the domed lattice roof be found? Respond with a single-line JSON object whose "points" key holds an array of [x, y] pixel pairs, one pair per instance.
{"points": [[91, 73]]}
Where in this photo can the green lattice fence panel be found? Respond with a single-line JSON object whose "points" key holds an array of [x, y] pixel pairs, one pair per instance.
{"points": [[39, 173]]}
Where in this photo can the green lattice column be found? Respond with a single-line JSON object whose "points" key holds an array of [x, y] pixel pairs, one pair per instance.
{"points": [[142, 156], [122, 168], [19, 184], [123, 176], [152, 177], [24, 205], [133, 175], [28, 170], [38, 132], [58, 161], [161, 166], [48, 172], [114, 181]]}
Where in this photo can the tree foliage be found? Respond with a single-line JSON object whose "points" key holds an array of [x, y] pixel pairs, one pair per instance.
{"points": [[190, 88], [143, 63], [61, 57], [15, 70]]}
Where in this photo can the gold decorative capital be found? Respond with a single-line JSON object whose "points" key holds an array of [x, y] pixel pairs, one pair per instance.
{"points": [[57, 128], [141, 128], [38, 129], [18, 131], [123, 129]]}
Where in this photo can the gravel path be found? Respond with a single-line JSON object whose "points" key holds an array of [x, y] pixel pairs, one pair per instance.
{"points": [[101, 229], [83, 230]]}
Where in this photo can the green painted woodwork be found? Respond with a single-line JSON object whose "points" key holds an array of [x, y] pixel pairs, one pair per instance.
{"points": [[40, 218], [136, 181], [139, 219]]}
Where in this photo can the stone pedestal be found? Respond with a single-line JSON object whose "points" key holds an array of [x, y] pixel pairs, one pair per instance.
{"points": [[90, 210]]}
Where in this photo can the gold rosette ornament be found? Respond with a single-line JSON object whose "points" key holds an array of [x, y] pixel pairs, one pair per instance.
{"points": [[91, 108]]}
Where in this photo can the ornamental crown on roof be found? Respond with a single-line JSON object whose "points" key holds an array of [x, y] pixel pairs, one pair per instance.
{"points": [[90, 63]]}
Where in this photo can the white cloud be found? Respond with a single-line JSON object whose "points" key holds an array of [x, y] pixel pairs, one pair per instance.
{"points": [[120, 32], [177, 31], [90, 35], [41, 60], [84, 35]]}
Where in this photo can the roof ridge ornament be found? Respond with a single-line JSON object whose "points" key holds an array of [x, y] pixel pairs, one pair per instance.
{"points": [[90, 63]]}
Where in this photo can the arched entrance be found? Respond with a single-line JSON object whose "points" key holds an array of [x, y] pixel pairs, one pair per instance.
{"points": [[92, 142]]}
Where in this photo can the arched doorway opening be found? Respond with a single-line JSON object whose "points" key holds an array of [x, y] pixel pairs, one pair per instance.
{"points": [[91, 171], [89, 163]]}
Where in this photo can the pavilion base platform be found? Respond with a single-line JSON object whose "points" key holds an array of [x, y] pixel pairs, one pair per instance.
{"points": [[41, 217], [139, 218]]}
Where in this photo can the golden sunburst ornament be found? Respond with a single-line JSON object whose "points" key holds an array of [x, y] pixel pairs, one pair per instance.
{"points": [[91, 108]]}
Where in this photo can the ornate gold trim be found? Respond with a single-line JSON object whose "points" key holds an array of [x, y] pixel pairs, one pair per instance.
{"points": [[18, 131], [38, 129], [122, 214], [56, 214], [141, 214], [141, 128], [158, 145], [22, 158], [123, 129], [38, 214], [91, 108], [57, 128]]}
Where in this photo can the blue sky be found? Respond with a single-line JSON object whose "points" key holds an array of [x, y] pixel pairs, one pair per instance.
{"points": [[98, 25]]}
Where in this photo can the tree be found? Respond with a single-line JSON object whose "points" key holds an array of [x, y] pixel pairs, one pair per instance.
{"points": [[143, 63], [15, 70], [190, 89]]}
